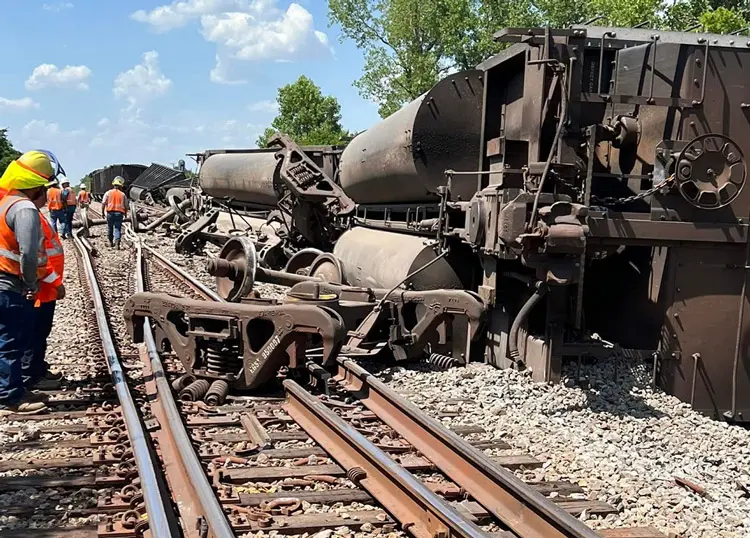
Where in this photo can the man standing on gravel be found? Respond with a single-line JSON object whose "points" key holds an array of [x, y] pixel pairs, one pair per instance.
{"points": [[83, 196], [23, 263], [56, 207], [51, 289], [115, 205], [70, 201]]}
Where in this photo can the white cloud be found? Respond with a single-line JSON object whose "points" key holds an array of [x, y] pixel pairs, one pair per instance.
{"points": [[25, 103], [36, 129], [220, 73], [181, 12], [290, 36], [143, 82], [103, 122], [49, 75], [58, 7], [245, 30], [264, 106]]}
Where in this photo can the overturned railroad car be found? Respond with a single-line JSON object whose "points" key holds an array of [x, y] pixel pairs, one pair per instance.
{"points": [[248, 177], [587, 185]]}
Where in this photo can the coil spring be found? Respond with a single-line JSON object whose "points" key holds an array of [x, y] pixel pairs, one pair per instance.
{"points": [[441, 361], [182, 382], [195, 390], [218, 391], [222, 358]]}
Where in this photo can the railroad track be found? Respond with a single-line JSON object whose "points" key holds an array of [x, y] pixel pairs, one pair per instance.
{"points": [[372, 445], [176, 457]]}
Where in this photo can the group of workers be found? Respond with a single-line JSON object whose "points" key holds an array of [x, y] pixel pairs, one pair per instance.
{"points": [[32, 261]]}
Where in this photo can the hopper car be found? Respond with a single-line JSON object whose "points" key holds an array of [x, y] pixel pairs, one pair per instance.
{"points": [[580, 194]]}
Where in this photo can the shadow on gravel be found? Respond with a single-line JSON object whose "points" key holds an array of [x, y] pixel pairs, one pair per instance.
{"points": [[615, 386]]}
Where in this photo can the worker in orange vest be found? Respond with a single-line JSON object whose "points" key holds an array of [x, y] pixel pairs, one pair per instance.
{"points": [[70, 202], [51, 290], [56, 207], [83, 196], [115, 205], [23, 263], [36, 371]]}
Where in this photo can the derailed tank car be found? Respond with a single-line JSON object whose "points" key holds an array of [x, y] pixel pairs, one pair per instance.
{"points": [[614, 167], [586, 181]]}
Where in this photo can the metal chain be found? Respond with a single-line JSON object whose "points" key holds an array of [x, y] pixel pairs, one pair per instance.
{"points": [[611, 200]]}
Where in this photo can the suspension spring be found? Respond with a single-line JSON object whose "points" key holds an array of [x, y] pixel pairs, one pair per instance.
{"points": [[195, 390], [217, 393], [182, 382], [441, 361], [222, 357]]}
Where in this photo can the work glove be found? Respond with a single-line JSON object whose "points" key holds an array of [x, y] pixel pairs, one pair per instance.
{"points": [[61, 292]]}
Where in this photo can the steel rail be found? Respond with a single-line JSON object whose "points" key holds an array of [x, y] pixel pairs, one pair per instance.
{"points": [[161, 517], [188, 279], [420, 511], [212, 513], [522, 509]]}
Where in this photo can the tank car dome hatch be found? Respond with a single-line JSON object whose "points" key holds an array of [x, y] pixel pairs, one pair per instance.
{"points": [[403, 158]]}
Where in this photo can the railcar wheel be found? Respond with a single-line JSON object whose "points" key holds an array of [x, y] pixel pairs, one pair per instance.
{"points": [[235, 269]]}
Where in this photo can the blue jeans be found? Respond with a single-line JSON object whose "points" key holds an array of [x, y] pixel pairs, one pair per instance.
{"points": [[69, 213], [58, 215], [36, 368], [114, 225], [16, 335]]}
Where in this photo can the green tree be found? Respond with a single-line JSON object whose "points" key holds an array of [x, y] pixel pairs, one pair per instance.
{"points": [[306, 115], [7, 152], [408, 44], [722, 20]]}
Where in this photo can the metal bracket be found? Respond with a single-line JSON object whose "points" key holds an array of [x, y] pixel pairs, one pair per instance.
{"points": [[244, 344]]}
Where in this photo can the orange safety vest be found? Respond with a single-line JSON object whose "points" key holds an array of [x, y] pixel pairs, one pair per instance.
{"points": [[71, 199], [10, 252], [115, 201], [83, 197], [53, 276], [54, 199]]}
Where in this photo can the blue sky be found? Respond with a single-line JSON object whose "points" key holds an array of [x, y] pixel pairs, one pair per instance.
{"points": [[105, 81]]}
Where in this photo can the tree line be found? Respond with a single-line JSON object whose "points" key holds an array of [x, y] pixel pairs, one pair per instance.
{"points": [[409, 45]]}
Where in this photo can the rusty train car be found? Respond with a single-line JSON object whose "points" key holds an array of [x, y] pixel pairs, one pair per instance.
{"points": [[586, 187]]}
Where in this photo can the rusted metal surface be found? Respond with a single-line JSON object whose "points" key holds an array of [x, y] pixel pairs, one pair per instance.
{"points": [[518, 506], [203, 514], [447, 320], [182, 276], [420, 511], [246, 177], [245, 344], [160, 514], [378, 259], [403, 158], [306, 180]]}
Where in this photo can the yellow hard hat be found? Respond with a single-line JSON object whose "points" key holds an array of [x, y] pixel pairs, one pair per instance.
{"points": [[117, 182], [32, 169]]}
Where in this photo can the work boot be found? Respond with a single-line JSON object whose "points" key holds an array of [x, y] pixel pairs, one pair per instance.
{"points": [[24, 406], [111, 243], [117, 244], [34, 397], [53, 376], [46, 384]]}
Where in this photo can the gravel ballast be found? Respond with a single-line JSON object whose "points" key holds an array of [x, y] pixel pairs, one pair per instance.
{"points": [[623, 442]]}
